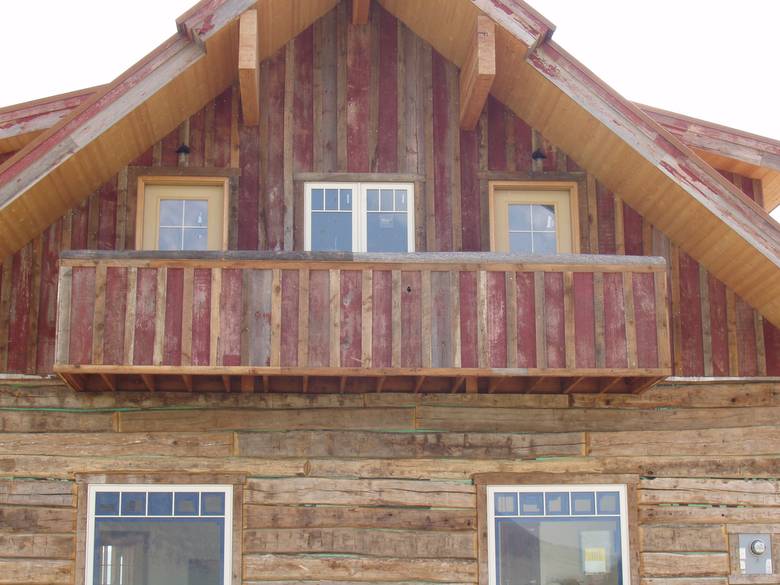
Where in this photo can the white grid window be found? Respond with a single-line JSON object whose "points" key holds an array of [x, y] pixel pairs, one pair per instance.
{"points": [[359, 217], [558, 534], [173, 534]]}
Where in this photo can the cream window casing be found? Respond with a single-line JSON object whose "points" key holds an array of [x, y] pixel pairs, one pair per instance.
{"points": [[559, 196], [360, 210], [154, 190]]}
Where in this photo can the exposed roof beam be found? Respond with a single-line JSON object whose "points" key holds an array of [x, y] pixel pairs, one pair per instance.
{"points": [[248, 76], [478, 73], [360, 11]]}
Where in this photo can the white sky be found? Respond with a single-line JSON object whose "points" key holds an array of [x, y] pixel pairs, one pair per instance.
{"points": [[711, 59]]}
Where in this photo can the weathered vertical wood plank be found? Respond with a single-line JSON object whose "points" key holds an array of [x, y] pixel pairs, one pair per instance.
{"points": [[510, 293], [772, 348], [230, 322], [616, 351], [441, 319], [174, 310], [426, 318], [620, 241], [496, 320], [62, 337], [541, 323], [570, 341], [272, 81], [396, 319], [215, 292], [159, 315], [469, 320], [525, 322], [341, 86], [121, 210], [442, 135], [358, 57], [719, 344], [633, 231], [334, 301], [647, 340], [496, 135], [692, 355], [129, 341], [388, 114], [676, 310], [19, 310], [319, 318], [584, 320], [145, 303], [383, 333], [249, 188], [350, 329], [760, 344], [605, 207], [326, 93], [469, 184], [630, 319], [455, 335], [366, 318], [47, 316], [188, 284], [411, 319], [598, 316], [706, 320], [99, 317], [290, 318], [276, 317], [303, 317], [34, 308], [257, 315], [288, 162], [201, 316], [746, 339], [662, 320], [303, 99], [554, 317], [482, 320], [81, 314], [593, 214], [731, 317]]}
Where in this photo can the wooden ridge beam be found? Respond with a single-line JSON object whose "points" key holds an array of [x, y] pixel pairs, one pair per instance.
{"points": [[248, 73], [478, 73], [360, 11]]}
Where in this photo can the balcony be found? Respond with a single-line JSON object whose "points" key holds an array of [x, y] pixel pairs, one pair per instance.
{"points": [[314, 322]]}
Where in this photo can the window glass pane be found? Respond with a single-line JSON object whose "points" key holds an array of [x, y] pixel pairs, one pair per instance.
{"points": [[195, 239], [400, 199], [520, 242], [506, 504], [387, 200], [519, 216], [171, 211], [331, 231], [107, 503], [316, 199], [387, 232], [531, 504], [212, 504], [196, 213], [170, 238], [372, 200], [557, 503], [174, 551], [332, 199], [544, 243], [186, 504], [583, 503], [133, 504], [346, 199], [160, 504], [608, 502], [543, 217]]}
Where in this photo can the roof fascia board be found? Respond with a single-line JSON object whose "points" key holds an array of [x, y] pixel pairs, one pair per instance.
{"points": [[27, 167], [528, 25], [208, 17]]}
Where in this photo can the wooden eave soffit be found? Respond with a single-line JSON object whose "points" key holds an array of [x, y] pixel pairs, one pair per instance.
{"points": [[248, 62], [478, 72], [360, 11]]}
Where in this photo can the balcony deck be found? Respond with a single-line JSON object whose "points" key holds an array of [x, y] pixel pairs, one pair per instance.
{"points": [[323, 322]]}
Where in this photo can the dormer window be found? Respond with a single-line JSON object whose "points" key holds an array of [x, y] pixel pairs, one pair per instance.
{"points": [[534, 218], [181, 213], [359, 217]]}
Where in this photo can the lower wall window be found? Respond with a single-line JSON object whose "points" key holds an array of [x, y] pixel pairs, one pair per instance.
{"points": [[558, 535], [172, 534]]}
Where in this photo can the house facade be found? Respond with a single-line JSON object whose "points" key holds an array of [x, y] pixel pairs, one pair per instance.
{"points": [[345, 291]]}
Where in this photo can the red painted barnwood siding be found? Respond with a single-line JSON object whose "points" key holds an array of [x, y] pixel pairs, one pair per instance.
{"points": [[376, 99]]}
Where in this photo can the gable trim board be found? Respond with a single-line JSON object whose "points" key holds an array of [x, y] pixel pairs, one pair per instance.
{"points": [[649, 168], [21, 123], [727, 149]]}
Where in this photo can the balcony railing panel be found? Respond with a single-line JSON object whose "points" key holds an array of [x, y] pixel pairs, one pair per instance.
{"points": [[497, 322]]}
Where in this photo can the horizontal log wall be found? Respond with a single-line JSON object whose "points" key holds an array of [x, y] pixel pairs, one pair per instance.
{"points": [[377, 487], [586, 319], [373, 101]]}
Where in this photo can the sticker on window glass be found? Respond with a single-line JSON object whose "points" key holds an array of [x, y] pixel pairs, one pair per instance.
{"points": [[595, 545], [506, 504], [107, 504], [609, 502], [583, 504], [557, 503], [531, 504]]}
